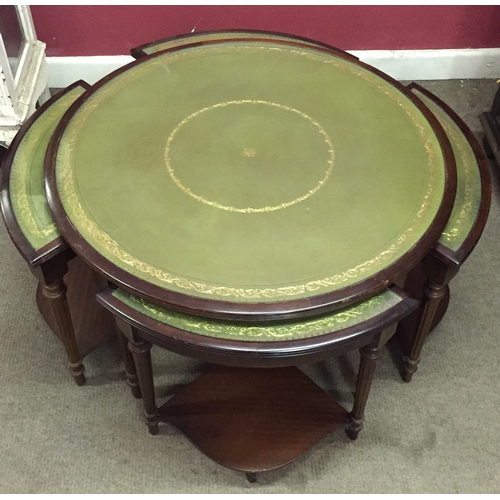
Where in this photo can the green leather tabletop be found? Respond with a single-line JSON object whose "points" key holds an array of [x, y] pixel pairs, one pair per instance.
{"points": [[26, 191], [468, 197], [290, 330], [249, 172]]}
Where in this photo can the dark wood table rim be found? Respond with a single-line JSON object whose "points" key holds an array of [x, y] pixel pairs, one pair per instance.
{"points": [[297, 308]]}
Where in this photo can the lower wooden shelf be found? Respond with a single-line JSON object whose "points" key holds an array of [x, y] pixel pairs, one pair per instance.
{"points": [[254, 419]]}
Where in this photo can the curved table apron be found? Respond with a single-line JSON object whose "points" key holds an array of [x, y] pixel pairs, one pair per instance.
{"points": [[250, 180]]}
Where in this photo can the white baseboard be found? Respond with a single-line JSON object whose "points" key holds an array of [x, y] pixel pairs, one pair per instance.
{"points": [[63, 71], [449, 64], [400, 64]]}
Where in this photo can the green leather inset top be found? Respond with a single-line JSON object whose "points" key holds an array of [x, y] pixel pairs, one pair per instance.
{"points": [[250, 172], [205, 37], [26, 190], [290, 330], [468, 197]]}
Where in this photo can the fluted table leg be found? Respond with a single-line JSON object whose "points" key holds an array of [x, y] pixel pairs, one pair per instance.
{"points": [[369, 356], [130, 368], [141, 351], [433, 293], [438, 274], [56, 294]]}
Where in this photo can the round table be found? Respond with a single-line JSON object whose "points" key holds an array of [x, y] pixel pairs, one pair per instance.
{"points": [[250, 180]]}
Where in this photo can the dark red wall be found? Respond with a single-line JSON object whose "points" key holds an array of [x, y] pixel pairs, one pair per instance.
{"points": [[83, 30]]}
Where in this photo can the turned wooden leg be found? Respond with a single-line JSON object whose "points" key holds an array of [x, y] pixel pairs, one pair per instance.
{"points": [[141, 351], [438, 273], [130, 369], [433, 293], [128, 360], [369, 356], [56, 293]]}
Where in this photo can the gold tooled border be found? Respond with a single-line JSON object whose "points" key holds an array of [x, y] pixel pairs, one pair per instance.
{"points": [[20, 176], [22, 166], [303, 329], [453, 233]]}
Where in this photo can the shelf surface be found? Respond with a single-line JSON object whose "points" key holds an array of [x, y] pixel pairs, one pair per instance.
{"points": [[254, 420]]}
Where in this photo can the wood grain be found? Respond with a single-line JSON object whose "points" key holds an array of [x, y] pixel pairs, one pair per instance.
{"points": [[252, 419]]}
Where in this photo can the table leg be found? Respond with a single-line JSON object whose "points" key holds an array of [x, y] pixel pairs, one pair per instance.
{"points": [[141, 351], [369, 356], [128, 360], [56, 294], [130, 368], [87, 324], [433, 293], [438, 274]]}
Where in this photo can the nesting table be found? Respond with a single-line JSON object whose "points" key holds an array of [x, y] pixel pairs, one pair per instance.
{"points": [[250, 180]]}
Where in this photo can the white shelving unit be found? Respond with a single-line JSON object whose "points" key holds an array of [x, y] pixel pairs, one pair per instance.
{"points": [[23, 70]]}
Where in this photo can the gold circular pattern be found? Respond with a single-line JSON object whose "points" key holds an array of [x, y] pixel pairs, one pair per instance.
{"points": [[249, 153]]}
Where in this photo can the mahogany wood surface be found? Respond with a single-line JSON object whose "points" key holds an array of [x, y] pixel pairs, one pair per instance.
{"points": [[252, 419], [92, 323]]}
